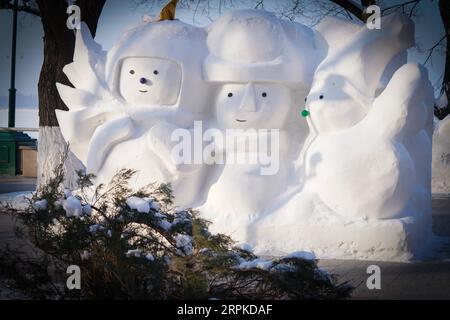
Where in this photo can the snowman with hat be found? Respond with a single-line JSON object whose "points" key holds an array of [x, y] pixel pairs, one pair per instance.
{"points": [[262, 68]]}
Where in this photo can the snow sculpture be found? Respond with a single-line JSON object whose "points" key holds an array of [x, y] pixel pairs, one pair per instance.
{"points": [[367, 162], [345, 113], [351, 179], [125, 101], [263, 67], [441, 157]]}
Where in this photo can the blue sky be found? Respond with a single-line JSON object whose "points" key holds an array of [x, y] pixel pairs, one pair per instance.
{"points": [[120, 14]]}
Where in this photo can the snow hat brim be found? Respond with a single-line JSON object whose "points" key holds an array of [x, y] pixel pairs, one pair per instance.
{"points": [[256, 46], [280, 70]]}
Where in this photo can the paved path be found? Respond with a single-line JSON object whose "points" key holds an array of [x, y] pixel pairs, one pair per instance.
{"points": [[441, 214], [417, 280]]}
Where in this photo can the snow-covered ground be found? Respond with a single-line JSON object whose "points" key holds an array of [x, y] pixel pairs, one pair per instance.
{"points": [[18, 200], [25, 118]]}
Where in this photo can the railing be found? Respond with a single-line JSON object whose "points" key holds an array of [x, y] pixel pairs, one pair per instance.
{"points": [[5, 129]]}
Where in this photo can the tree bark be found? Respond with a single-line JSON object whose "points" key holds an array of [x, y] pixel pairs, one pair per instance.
{"points": [[444, 9], [59, 43]]}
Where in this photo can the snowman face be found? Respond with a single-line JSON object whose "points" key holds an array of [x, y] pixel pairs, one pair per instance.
{"points": [[149, 81], [253, 105], [332, 109]]}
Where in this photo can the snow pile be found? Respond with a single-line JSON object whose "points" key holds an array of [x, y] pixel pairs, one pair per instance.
{"points": [[301, 255], [138, 204], [255, 263], [184, 242], [40, 205], [87, 210], [134, 253], [16, 200], [164, 224], [73, 207]]}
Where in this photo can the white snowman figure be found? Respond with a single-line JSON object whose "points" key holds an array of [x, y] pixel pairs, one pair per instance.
{"points": [[366, 163], [366, 158], [124, 102], [262, 67]]}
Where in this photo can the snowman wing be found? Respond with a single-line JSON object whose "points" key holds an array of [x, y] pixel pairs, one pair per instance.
{"points": [[78, 126], [86, 72], [402, 108], [105, 137], [89, 99], [76, 99]]}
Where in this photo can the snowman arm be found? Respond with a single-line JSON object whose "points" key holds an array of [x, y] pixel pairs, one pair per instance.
{"points": [[399, 110], [164, 140], [77, 126], [105, 137], [160, 143]]}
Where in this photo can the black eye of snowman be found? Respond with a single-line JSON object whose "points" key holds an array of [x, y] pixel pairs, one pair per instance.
{"points": [[230, 95], [264, 94], [306, 99], [155, 72], [321, 97], [131, 71]]}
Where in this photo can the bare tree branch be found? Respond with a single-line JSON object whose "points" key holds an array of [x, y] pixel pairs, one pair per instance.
{"points": [[351, 7], [24, 6], [431, 50]]}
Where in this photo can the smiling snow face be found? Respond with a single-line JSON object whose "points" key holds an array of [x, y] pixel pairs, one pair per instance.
{"points": [[149, 81], [333, 105], [253, 105]]}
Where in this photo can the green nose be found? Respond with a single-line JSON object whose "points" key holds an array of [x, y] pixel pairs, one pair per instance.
{"points": [[305, 113]]}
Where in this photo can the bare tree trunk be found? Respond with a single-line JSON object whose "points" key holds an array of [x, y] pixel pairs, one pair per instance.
{"points": [[59, 44], [444, 8]]}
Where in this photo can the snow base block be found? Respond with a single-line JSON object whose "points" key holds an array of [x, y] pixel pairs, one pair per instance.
{"points": [[383, 240]]}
